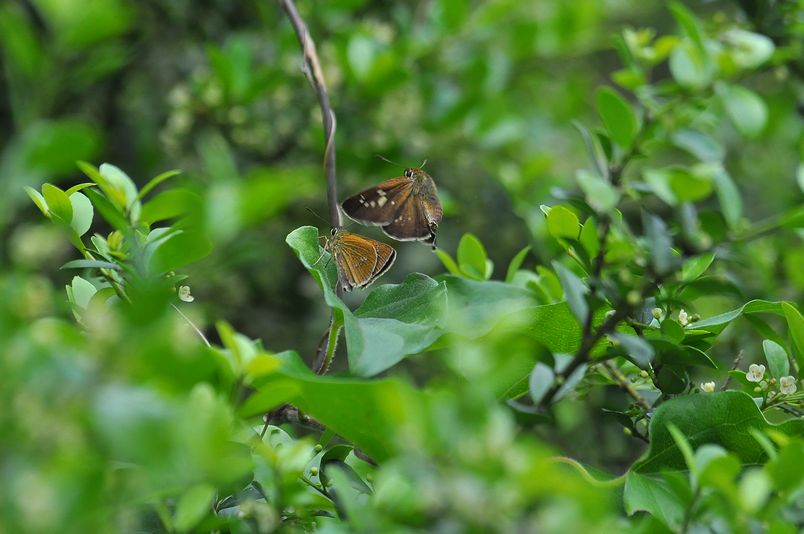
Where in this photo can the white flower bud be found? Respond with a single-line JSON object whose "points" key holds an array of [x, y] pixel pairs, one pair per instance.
{"points": [[184, 294], [707, 387]]}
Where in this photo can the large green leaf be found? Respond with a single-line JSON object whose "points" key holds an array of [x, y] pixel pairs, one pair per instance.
{"points": [[475, 308], [370, 414], [717, 323], [653, 494], [722, 418], [618, 116], [395, 321]]}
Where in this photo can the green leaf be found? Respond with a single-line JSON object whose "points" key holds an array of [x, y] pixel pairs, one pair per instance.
{"points": [[672, 331], [472, 257], [694, 267], [81, 291], [541, 380], [476, 308], [689, 24], [600, 194], [795, 322], [721, 418], [661, 246], [589, 238], [778, 364], [516, 263], [690, 66], [82, 213], [78, 187], [652, 494], [617, 116], [178, 250], [638, 350], [371, 414], [745, 108], [58, 203], [700, 145], [748, 50], [123, 185], [593, 150], [563, 223], [395, 320], [574, 291], [156, 181], [38, 199], [113, 195], [108, 211], [717, 323], [170, 204], [192, 506], [90, 264], [268, 398], [448, 262]]}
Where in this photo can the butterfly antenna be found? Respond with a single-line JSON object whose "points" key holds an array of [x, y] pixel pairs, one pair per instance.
{"points": [[423, 164], [389, 161]]}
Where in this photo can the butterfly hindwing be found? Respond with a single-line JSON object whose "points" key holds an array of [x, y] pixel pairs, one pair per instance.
{"points": [[360, 260]]}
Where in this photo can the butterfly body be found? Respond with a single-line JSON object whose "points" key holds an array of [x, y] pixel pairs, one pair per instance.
{"points": [[407, 208], [360, 260]]}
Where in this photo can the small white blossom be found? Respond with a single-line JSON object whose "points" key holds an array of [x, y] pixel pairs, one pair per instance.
{"points": [[755, 372], [184, 294], [787, 385], [683, 318], [707, 387]]}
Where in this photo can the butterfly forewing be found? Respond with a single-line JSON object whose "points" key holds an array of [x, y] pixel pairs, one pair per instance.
{"points": [[407, 207], [378, 205], [360, 260]]}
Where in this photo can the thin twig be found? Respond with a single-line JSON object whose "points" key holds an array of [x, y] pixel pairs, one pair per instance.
{"points": [[312, 68], [626, 385], [734, 366], [316, 77]]}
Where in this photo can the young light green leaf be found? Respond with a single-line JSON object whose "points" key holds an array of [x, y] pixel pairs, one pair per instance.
{"points": [[516, 263], [58, 203], [778, 364], [691, 67], [192, 506], [700, 145], [563, 223], [81, 291], [38, 199], [745, 108], [472, 257], [599, 194], [156, 181], [82, 213], [448, 262], [618, 117]]}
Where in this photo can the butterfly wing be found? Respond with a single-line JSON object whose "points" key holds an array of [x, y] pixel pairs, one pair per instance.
{"points": [[385, 258], [411, 224], [378, 205], [361, 260]]}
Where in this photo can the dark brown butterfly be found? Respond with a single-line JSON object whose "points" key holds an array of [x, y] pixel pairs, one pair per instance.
{"points": [[407, 207], [360, 260]]}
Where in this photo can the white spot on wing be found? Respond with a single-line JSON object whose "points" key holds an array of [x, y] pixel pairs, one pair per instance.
{"points": [[382, 200]]}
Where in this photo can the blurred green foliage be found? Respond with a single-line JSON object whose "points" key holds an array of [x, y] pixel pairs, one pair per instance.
{"points": [[621, 183]]}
